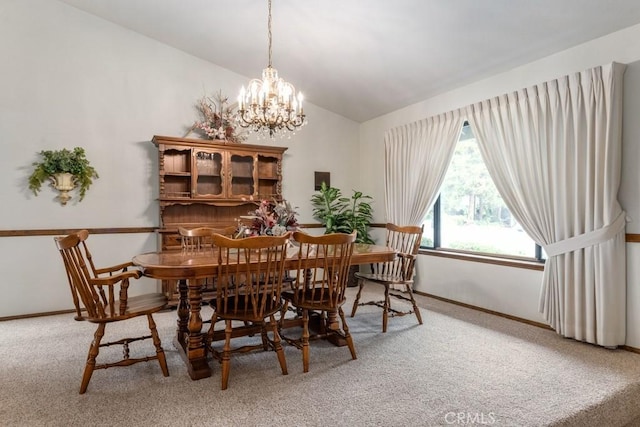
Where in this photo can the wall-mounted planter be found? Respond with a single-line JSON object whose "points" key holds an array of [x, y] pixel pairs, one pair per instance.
{"points": [[66, 169]]}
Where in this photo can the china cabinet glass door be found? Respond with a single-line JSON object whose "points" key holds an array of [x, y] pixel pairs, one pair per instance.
{"points": [[208, 174], [242, 180], [269, 177]]}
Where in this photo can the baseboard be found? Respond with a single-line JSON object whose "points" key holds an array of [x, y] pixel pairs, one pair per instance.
{"points": [[507, 316], [28, 316]]}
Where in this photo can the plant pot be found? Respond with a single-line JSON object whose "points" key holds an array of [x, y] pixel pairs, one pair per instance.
{"points": [[63, 182]]}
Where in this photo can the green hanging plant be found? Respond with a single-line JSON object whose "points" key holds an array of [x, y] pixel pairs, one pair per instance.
{"points": [[61, 161]]}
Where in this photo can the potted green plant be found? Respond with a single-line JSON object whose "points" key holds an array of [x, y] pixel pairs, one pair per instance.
{"points": [[343, 214], [66, 169]]}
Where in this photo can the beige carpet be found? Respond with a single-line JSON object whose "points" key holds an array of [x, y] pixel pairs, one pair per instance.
{"points": [[462, 367]]}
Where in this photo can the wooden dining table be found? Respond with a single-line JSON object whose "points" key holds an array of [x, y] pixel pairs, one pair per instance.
{"points": [[186, 268]]}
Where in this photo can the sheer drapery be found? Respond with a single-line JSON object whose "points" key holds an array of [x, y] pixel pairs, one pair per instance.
{"points": [[554, 153], [416, 159]]}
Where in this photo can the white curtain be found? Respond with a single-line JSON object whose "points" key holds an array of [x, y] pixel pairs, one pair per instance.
{"points": [[554, 153], [417, 156]]}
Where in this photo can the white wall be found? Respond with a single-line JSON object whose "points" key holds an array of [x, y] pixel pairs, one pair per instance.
{"points": [[70, 79], [505, 289]]}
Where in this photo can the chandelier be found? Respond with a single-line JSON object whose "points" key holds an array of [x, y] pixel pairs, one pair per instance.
{"points": [[271, 105]]}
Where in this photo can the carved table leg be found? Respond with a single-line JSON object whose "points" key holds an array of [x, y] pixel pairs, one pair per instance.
{"points": [[331, 323], [183, 314], [190, 339], [196, 352]]}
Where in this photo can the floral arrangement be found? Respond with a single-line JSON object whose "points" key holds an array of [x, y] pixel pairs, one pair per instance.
{"points": [[218, 121], [271, 218]]}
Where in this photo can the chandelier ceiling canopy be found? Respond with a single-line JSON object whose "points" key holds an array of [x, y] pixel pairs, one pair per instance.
{"points": [[270, 106]]}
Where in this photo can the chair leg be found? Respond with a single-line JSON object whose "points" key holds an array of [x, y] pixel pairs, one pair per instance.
{"points": [[162, 360], [277, 345], [416, 310], [347, 335], [263, 335], [94, 349], [283, 313], [305, 340], [211, 331], [385, 308], [357, 301], [226, 355]]}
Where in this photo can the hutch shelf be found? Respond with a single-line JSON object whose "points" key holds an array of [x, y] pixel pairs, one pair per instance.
{"points": [[211, 183]]}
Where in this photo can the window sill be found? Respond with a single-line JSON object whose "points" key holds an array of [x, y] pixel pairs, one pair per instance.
{"points": [[486, 259]]}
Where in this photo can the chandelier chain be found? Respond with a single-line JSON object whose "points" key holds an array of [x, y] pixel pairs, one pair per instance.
{"points": [[270, 34]]}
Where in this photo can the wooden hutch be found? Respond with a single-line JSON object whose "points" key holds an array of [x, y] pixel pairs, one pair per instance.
{"points": [[211, 183]]}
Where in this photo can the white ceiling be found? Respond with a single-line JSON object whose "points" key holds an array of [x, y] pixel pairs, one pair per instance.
{"points": [[365, 58]]}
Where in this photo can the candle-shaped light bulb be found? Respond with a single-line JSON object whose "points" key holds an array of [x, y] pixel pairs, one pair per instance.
{"points": [[254, 93], [300, 102], [241, 98]]}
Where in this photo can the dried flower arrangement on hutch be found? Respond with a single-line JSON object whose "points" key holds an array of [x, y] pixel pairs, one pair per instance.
{"points": [[218, 120]]}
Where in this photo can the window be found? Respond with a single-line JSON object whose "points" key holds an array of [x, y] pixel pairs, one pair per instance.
{"points": [[469, 214]]}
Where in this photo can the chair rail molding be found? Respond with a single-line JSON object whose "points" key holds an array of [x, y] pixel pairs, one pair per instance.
{"points": [[62, 231]]}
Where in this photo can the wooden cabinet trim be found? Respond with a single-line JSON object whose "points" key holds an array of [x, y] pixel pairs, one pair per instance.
{"points": [[213, 144]]}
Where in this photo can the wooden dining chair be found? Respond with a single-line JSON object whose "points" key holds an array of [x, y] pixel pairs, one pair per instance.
{"points": [[319, 288], [248, 287], [100, 296], [406, 241], [198, 240]]}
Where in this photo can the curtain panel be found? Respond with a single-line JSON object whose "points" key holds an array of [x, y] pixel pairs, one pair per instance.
{"points": [[417, 156], [554, 153]]}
